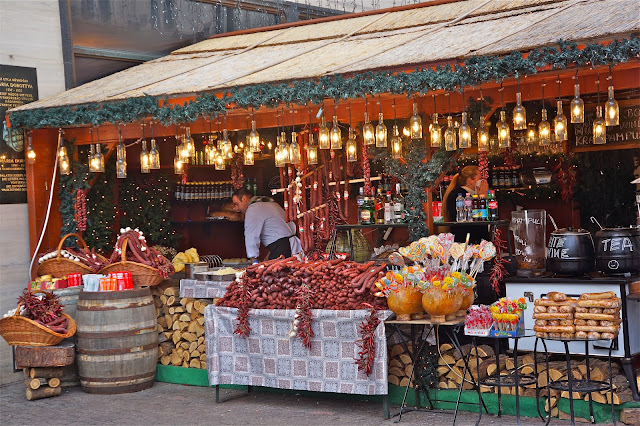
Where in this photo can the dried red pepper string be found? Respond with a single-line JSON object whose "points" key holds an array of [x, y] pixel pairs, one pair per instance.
{"points": [[498, 271], [45, 311], [367, 343], [566, 180], [304, 315], [243, 328]]}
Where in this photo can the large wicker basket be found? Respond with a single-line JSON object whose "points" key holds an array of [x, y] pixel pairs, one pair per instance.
{"points": [[60, 266], [142, 275], [21, 331]]}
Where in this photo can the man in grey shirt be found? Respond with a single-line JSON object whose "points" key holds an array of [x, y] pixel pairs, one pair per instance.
{"points": [[264, 222]]}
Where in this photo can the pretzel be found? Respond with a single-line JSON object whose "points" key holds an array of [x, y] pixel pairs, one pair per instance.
{"points": [[598, 296], [552, 315], [599, 303], [599, 317]]}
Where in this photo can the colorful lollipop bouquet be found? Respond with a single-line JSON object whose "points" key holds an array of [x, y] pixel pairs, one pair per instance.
{"points": [[508, 319]]}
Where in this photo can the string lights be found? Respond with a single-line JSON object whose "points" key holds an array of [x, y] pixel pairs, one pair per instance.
{"points": [[324, 136], [312, 148], [254, 137]]}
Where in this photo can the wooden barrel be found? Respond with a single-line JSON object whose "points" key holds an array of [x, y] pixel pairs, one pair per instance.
{"points": [[69, 299], [117, 341]]}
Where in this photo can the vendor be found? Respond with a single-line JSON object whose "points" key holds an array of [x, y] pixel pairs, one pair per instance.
{"points": [[264, 222]]}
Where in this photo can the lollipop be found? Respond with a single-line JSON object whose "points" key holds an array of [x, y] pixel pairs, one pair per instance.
{"points": [[446, 239], [396, 259], [456, 251]]}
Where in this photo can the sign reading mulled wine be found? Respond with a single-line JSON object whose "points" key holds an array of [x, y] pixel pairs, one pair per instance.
{"points": [[18, 86]]}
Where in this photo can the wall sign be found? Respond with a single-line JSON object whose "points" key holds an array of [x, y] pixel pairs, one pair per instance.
{"points": [[18, 86]]}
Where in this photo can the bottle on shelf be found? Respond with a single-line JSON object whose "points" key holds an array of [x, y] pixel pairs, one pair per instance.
{"points": [[468, 208], [475, 206], [398, 206], [360, 203], [379, 206], [388, 209], [365, 212], [482, 208], [460, 216], [492, 206]]}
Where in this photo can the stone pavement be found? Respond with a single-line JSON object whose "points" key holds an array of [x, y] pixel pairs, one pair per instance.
{"points": [[171, 404]]}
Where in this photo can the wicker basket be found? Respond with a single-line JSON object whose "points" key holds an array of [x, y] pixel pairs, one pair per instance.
{"points": [[142, 275], [21, 331], [60, 266]]}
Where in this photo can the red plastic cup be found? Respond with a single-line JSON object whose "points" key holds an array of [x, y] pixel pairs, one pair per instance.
{"points": [[128, 280]]}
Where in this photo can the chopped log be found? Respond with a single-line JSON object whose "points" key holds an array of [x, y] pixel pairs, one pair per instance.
{"points": [[392, 363], [45, 373], [442, 384], [190, 337], [491, 366], [163, 300], [53, 382], [176, 359], [168, 334], [194, 363], [620, 396], [201, 347], [530, 392], [185, 364], [45, 356], [157, 302], [455, 374], [555, 411], [185, 355], [446, 359], [176, 336], [404, 382], [396, 371], [171, 291], [446, 347], [162, 322], [203, 359], [185, 300], [35, 383], [200, 320], [203, 306], [200, 340], [619, 382], [630, 416], [184, 345], [485, 389], [508, 364], [195, 354], [565, 394], [467, 386], [189, 307], [405, 359], [566, 416], [483, 351], [186, 318], [193, 346], [394, 380], [596, 397], [166, 347], [165, 359], [43, 392], [527, 369], [465, 349], [442, 370]]}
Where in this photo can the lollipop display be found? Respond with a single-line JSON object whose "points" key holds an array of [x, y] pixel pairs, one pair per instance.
{"points": [[507, 317]]}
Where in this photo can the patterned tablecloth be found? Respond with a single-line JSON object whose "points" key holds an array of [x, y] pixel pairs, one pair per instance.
{"points": [[203, 289], [269, 358]]}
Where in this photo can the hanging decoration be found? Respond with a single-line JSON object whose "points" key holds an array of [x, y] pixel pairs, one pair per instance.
{"points": [[367, 341], [483, 165], [566, 179], [237, 172], [475, 71], [611, 108], [577, 104], [498, 271], [81, 210], [381, 129], [599, 123], [519, 113], [560, 122]]}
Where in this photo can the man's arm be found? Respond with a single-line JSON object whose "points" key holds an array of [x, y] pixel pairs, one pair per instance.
{"points": [[252, 229]]}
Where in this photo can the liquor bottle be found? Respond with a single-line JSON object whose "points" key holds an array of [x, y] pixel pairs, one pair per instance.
{"points": [[388, 209], [460, 217], [482, 208], [492, 205], [379, 206], [468, 208], [360, 203], [398, 206], [365, 212]]}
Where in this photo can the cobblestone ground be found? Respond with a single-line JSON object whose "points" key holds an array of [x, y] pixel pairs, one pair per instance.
{"points": [[171, 404]]}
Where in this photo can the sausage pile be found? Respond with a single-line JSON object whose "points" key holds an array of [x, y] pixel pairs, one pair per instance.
{"points": [[592, 316], [139, 251], [334, 284]]}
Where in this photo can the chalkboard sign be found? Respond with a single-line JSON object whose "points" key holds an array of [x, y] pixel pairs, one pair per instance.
{"points": [[18, 86], [628, 130]]}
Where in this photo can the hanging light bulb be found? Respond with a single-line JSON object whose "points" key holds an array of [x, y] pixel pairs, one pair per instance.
{"points": [[368, 132], [294, 149], [92, 154], [483, 137], [577, 104], [190, 144], [226, 145], [144, 158], [381, 132], [210, 152], [285, 148], [154, 153], [220, 160], [30, 153], [254, 137], [599, 128], [183, 149], [519, 113], [464, 133], [178, 165], [560, 124], [248, 156], [436, 132], [121, 157], [324, 139], [63, 161], [612, 110], [415, 123], [532, 136], [351, 147], [278, 157], [504, 133], [336, 135], [544, 128], [450, 136], [312, 151], [396, 143]]}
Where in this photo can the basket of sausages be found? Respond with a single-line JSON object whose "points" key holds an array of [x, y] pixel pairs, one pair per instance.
{"points": [[554, 316], [598, 316]]}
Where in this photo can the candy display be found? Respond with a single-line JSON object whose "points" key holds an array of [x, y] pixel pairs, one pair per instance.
{"points": [[478, 321], [507, 315]]}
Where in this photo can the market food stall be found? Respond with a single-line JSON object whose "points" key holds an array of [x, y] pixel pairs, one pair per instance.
{"points": [[451, 82]]}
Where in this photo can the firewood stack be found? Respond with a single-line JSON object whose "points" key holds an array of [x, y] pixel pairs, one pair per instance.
{"points": [[180, 328], [451, 366], [44, 368]]}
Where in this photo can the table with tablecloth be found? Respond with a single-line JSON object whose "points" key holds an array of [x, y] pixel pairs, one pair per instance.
{"points": [[269, 357], [203, 289]]}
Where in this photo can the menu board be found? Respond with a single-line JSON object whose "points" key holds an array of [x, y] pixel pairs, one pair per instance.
{"points": [[18, 86], [628, 130]]}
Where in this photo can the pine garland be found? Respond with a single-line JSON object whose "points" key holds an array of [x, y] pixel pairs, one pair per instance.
{"points": [[416, 175], [474, 72]]}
